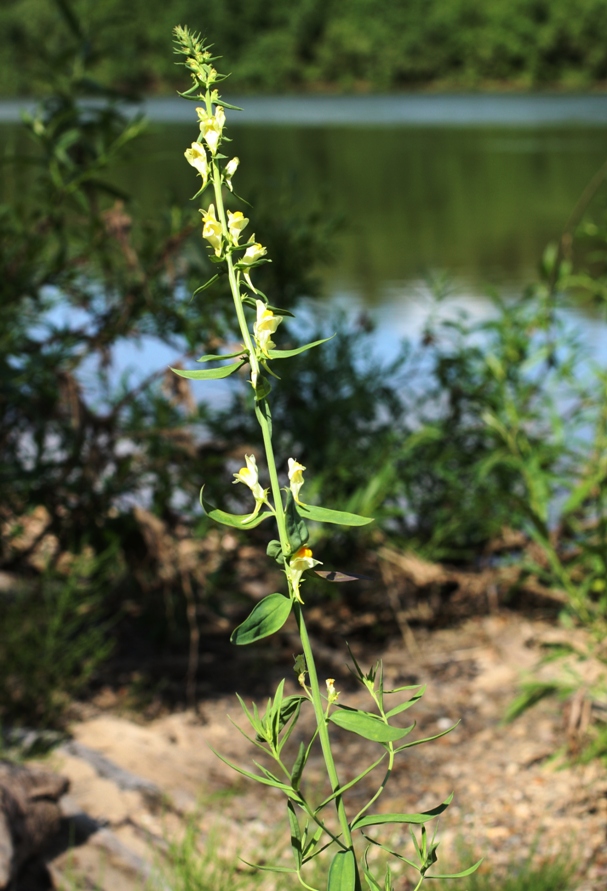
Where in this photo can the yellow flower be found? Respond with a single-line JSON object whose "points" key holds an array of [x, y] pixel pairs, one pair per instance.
{"points": [[229, 171], [303, 559], [250, 477], [211, 229], [236, 223], [197, 157], [211, 126], [265, 325], [300, 561], [296, 477], [253, 253]]}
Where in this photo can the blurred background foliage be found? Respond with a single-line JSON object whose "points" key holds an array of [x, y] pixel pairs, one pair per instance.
{"points": [[270, 45], [481, 445]]}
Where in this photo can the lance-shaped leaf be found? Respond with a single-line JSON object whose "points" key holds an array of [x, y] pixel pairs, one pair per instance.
{"points": [[289, 712], [459, 875], [419, 742], [215, 357], [343, 875], [325, 515], [219, 101], [349, 785], [368, 726], [209, 374], [371, 881], [212, 280], [286, 354], [237, 521], [383, 819], [269, 868], [298, 766], [263, 780], [295, 835], [266, 617], [405, 705]]}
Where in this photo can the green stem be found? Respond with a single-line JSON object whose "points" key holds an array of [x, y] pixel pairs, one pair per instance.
{"points": [[323, 730], [262, 411]]}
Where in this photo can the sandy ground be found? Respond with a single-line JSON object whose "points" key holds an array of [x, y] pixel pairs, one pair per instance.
{"points": [[512, 795]]}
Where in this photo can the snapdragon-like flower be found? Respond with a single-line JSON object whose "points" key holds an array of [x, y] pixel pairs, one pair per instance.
{"points": [[301, 560], [197, 157], [250, 477], [211, 229], [253, 253], [229, 171], [236, 223], [296, 479], [265, 325], [211, 126]]}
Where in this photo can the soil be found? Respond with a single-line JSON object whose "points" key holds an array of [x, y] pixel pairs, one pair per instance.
{"points": [[136, 783]]}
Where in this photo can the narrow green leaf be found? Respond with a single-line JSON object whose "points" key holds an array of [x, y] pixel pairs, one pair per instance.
{"points": [[392, 853], [298, 766], [342, 874], [224, 104], [209, 374], [382, 819], [209, 357], [252, 719], [458, 875], [295, 834], [212, 280], [297, 531], [371, 881], [401, 689], [266, 617], [419, 742], [405, 705], [368, 726], [254, 776], [313, 841], [289, 712], [237, 521], [349, 785], [269, 868], [325, 515], [286, 354]]}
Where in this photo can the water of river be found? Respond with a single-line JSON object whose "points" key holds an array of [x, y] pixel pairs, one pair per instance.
{"points": [[472, 185]]}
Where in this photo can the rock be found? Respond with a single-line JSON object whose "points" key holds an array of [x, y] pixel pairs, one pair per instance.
{"points": [[29, 815]]}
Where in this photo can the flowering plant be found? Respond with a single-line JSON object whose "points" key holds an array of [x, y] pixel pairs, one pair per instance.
{"points": [[312, 829]]}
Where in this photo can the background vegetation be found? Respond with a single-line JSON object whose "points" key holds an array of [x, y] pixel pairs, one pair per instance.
{"points": [[270, 45]]}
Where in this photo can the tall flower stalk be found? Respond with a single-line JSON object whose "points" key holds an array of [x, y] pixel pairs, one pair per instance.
{"points": [[312, 829]]}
